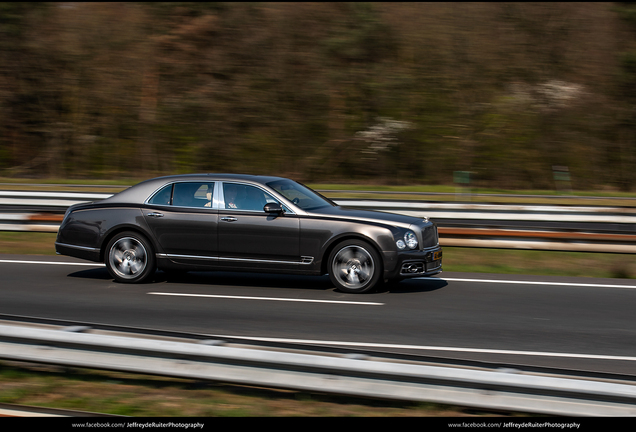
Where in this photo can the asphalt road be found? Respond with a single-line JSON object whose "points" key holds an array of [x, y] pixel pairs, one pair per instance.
{"points": [[568, 323]]}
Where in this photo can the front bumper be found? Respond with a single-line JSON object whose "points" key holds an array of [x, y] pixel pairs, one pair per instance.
{"points": [[427, 262]]}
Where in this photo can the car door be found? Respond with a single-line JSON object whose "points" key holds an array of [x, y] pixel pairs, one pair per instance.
{"points": [[184, 221], [248, 237]]}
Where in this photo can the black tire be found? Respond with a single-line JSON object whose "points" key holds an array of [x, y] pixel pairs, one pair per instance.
{"points": [[130, 258], [355, 267]]}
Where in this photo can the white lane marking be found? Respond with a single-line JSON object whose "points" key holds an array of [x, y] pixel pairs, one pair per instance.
{"points": [[268, 298], [436, 348], [52, 263], [379, 345], [532, 282]]}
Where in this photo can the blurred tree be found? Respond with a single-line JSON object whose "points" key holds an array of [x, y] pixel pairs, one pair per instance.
{"points": [[624, 154], [19, 102], [504, 90]]}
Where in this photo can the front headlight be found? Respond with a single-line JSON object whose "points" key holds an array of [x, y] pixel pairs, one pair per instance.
{"points": [[408, 241], [411, 239]]}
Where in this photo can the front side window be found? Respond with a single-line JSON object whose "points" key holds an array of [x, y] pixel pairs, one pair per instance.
{"points": [[245, 197]]}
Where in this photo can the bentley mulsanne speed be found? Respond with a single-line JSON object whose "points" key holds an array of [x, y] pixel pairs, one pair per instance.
{"points": [[231, 222]]}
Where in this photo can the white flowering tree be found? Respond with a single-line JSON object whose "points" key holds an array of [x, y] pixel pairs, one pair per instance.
{"points": [[382, 136]]}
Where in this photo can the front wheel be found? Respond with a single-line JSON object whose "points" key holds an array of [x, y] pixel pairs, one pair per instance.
{"points": [[355, 267], [130, 258]]}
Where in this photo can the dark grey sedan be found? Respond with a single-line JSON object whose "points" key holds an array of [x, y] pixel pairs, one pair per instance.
{"points": [[246, 223]]}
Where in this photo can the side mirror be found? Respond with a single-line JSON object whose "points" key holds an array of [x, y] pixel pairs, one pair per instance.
{"points": [[273, 208]]}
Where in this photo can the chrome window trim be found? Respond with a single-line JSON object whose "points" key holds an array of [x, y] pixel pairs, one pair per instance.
{"points": [[217, 197]]}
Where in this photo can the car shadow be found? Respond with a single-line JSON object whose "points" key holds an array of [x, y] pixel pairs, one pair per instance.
{"points": [[407, 286], [267, 280], [95, 273]]}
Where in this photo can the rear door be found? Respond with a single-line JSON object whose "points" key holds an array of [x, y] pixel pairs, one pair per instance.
{"points": [[184, 221]]}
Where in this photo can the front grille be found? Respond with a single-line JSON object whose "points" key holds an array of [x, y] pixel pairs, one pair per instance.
{"points": [[429, 236]]}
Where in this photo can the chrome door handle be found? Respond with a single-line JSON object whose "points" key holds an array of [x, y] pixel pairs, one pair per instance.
{"points": [[155, 214], [229, 219]]}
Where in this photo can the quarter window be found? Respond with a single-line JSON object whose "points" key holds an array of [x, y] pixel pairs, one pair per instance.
{"points": [[162, 197]]}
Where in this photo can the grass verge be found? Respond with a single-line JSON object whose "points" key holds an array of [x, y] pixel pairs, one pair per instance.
{"points": [[27, 243]]}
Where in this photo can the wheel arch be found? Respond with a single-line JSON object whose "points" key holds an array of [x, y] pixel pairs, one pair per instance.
{"points": [[324, 266], [123, 228]]}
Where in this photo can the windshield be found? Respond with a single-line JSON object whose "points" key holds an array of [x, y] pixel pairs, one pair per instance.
{"points": [[300, 195]]}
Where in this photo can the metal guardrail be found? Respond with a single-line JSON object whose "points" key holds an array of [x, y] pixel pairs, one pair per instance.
{"points": [[42, 212], [39, 211], [349, 375], [464, 195], [475, 217]]}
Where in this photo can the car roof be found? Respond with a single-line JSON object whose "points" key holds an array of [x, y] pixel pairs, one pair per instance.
{"points": [[219, 176], [141, 191]]}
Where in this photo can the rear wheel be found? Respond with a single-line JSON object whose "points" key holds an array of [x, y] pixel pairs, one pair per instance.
{"points": [[130, 258], [355, 267]]}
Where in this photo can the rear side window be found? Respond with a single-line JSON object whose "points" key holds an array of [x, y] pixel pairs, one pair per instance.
{"points": [[193, 194], [186, 194]]}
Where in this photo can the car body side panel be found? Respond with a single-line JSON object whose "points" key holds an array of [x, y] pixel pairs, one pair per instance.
{"points": [[81, 228], [87, 229], [319, 234], [184, 232], [258, 239]]}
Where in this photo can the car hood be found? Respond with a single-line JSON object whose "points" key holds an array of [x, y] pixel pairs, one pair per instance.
{"points": [[368, 216]]}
